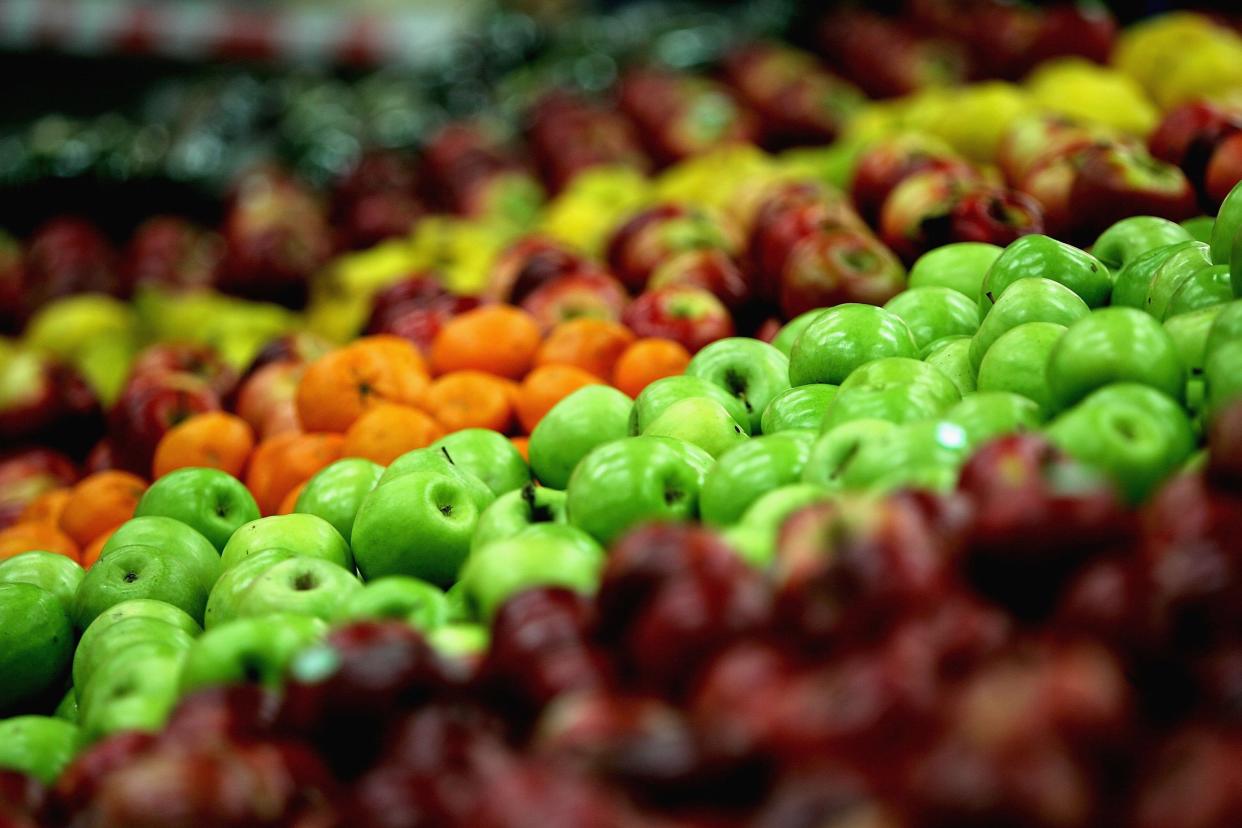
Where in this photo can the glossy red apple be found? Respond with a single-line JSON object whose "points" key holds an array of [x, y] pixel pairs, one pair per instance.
{"points": [[1050, 181], [1086, 30], [27, 473], [917, 215], [832, 267], [657, 234], [265, 399], [149, 406], [887, 163], [709, 268], [461, 163], [1118, 181], [884, 57], [68, 255], [1033, 138], [1188, 135], [1225, 449], [994, 215], [530, 263], [686, 314], [170, 252], [566, 297], [1224, 170]]}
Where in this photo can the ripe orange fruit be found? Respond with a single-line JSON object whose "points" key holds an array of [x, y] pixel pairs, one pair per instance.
{"points": [[544, 387], [99, 502], [340, 386], [646, 361], [215, 439], [497, 339], [279, 463], [386, 432]]}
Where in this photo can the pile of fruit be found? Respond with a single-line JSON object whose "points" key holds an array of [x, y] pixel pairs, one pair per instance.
{"points": [[889, 475]]}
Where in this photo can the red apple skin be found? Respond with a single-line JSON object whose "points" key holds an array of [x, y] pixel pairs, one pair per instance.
{"points": [[60, 411], [709, 268], [265, 399], [1225, 449], [170, 252], [917, 215], [1034, 138], [638, 246], [994, 215], [1116, 182], [102, 457], [26, 473], [69, 255], [81, 780], [377, 199], [1189, 135], [201, 361], [1190, 780], [577, 294], [882, 167], [529, 263], [460, 163], [300, 347], [1224, 170], [1075, 29], [668, 110], [12, 285], [1050, 181], [884, 57], [568, 135], [835, 266], [686, 314], [149, 406], [415, 308]]}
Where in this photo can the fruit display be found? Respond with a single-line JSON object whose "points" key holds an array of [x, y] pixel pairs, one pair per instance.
{"points": [[743, 435]]}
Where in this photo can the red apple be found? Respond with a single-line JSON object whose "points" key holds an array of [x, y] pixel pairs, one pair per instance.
{"points": [[1050, 181], [884, 57], [1035, 137], [1086, 30], [994, 215], [12, 285], [27, 473], [917, 215], [577, 294], [569, 135], [686, 314], [832, 267], [887, 163], [656, 234], [168, 251], [529, 263], [1224, 170], [1115, 182], [201, 361], [463, 163], [681, 115], [150, 404], [265, 399], [69, 255], [102, 457], [377, 199], [300, 347], [1225, 449], [1188, 135], [1190, 780], [47, 402], [79, 783], [709, 268], [421, 324]]}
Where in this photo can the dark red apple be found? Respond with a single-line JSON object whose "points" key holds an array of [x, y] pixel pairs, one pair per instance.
{"points": [[656, 235], [686, 314], [415, 308], [1188, 135], [48, 402], [682, 115], [530, 263], [265, 398], [149, 406], [1225, 449], [463, 164], [569, 135], [994, 215], [80, 782], [1118, 181], [27, 473], [1086, 30], [222, 715], [887, 163], [168, 251], [1050, 181], [201, 361], [377, 199], [596, 295], [884, 57], [69, 255], [1191, 780], [709, 268], [1224, 170], [835, 266], [917, 215], [102, 457], [12, 285]]}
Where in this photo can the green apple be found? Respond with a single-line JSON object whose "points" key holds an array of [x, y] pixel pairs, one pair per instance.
{"points": [[1114, 345], [1171, 276], [1027, 300], [1222, 376], [248, 651], [835, 449], [1207, 287], [127, 635], [1189, 332], [631, 481], [489, 456], [336, 491], [134, 694], [39, 746], [418, 525], [924, 455], [662, 393], [459, 640], [1018, 360], [1199, 228], [1228, 226], [513, 512], [303, 586], [97, 334], [744, 473], [58, 574], [791, 330], [139, 608], [845, 337], [421, 604], [175, 540], [952, 358], [581, 421], [137, 571], [1042, 257], [753, 371], [67, 710], [36, 644], [210, 501], [306, 536], [933, 313], [756, 545], [1227, 327], [222, 602], [989, 414], [797, 408], [1134, 433], [1126, 240], [438, 461], [1132, 282], [898, 389], [770, 511], [546, 555], [961, 266], [700, 421]]}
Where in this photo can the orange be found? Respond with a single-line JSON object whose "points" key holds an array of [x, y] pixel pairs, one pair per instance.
{"points": [[646, 361], [291, 500], [522, 444], [471, 399], [279, 463], [214, 440], [340, 386], [46, 508], [497, 339], [92, 551], [26, 537], [544, 387], [593, 345], [99, 502], [388, 431]]}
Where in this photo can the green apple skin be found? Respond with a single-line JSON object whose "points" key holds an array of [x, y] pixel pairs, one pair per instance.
{"points": [[1189, 332], [336, 491], [138, 572], [770, 511], [126, 635], [422, 605], [838, 447], [1171, 276], [662, 393], [791, 330], [744, 473], [1207, 287], [58, 574], [1227, 327], [1228, 226], [1222, 375], [462, 640], [302, 586], [40, 746], [175, 540], [1027, 300], [1134, 433], [798, 408], [1042, 257], [489, 456], [440, 462], [36, 644], [953, 360], [139, 608], [67, 710], [989, 414], [933, 313], [1130, 284], [699, 421], [630, 481], [753, 371], [844, 338], [961, 266], [1114, 345], [1132, 237], [1199, 228], [248, 651], [136, 694], [897, 389], [755, 545], [222, 602], [547, 555], [1018, 362], [923, 455], [418, 525], [585, 419], [511, 513], [210, 501], [306, 536]]}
